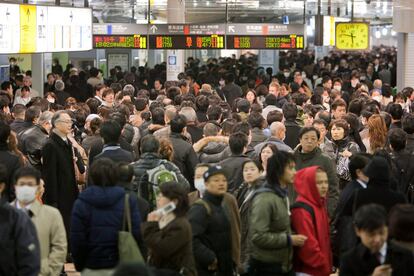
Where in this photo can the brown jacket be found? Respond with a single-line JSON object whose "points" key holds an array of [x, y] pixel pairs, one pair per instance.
{"points": [[170, 247], [230, 204]]}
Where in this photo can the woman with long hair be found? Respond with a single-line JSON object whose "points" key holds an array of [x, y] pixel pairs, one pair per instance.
{"points": [[265, 153], [251, 96], [166, 150], [377, 134]]}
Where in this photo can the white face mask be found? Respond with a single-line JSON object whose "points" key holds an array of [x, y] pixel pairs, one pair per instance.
{"points": [[354, 83], [286, 74], [222, 82], [338, 88], [199, 185], [402, 105], [315, 77], [51, 100], [304, 75], [26, 194]]}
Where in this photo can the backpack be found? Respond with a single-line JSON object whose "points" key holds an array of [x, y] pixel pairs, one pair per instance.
{"points": [[401, 175], [149, 184], [306, 207]]}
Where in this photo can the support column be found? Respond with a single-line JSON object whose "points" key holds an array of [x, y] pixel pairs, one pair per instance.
{"points": [[269, 58], [175, 58], [38, 73]]}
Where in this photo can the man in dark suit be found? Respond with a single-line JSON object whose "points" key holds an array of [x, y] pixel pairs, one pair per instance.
{"points": [[111, 132], [375, 255], [58, 169], [290, 111], [231, 90]]}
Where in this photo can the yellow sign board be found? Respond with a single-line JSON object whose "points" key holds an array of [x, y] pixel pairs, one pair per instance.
{"points": [[27, 29]]}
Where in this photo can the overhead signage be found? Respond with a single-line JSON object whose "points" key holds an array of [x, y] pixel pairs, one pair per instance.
{"points": [[120, 41], [265, 36], [120, 29], [187, 36], [37, 29]]}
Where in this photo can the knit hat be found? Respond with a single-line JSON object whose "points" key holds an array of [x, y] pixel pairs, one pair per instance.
{"points": [[213, 170]]}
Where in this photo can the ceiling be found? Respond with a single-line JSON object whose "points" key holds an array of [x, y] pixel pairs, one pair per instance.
{"points": [[204, 11]]}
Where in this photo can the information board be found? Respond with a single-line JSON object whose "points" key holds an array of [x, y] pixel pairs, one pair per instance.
{"points": [[38, 29], [186, 41], [265, 42], [120, 41]]}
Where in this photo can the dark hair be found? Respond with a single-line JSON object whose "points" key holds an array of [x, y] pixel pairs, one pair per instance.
{"points": [[149, 144], [272, 146], [242, 127], [396, 111], [229, 77], [276, 165], [237, 142], [172, 190], [397, 138], [299, 98], [274, 116], [256, 119], [338, 102], [19, 109], [257, 163], [290, 111], [270, 100], [157, 116], [173, 92], [355, 106], [227, 126], [103, 172], [214, 112], [178, 123], [305, 130], [320, 122], [32, 113], [358, 161], [342, 124], [93, 104], [202, 103], [370, 217], [243, 105], [94, 72], [3, 175], [4, 132], [125, 172], [5, 85], [27, 172], [141, 103], [325, 115], [387, 118], [408, 123], [401, 222], [110, 131]]}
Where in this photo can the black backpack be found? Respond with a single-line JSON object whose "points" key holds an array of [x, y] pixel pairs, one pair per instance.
{"points": [[306, 207], [401, 173]]}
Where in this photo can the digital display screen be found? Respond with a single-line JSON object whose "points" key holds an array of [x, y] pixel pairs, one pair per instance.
{"points": [[265, 42], [186, 41], [120, 41]]}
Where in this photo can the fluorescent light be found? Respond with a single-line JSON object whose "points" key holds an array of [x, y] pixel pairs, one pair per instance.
{"points": [[393, 33], [384, 31], [377, 34]]}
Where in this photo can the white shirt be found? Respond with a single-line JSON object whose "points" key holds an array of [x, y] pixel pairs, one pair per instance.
{"points": [[25, 209], [362, 183], [383, 253], [20, 100]]}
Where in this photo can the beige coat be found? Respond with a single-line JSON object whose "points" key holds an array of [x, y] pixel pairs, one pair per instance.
{"points": [[52, 238]]}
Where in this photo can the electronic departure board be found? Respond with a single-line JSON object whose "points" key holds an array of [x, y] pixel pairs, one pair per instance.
{"points": [[265, 42], [120, 41], [186, 42]]}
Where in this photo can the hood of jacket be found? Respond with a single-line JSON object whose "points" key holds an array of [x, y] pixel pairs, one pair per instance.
{"points": [[100, 197], [306, 156], [305, 185]]}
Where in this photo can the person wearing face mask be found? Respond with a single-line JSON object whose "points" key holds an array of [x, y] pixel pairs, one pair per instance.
{"points": [[46, 219], [229, 204], [314, 257]]}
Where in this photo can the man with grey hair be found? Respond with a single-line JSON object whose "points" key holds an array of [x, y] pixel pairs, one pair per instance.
{"points": [[60, 92], [129, 89], [190, 115], [33, 139], [278, 134], [27, 81]]}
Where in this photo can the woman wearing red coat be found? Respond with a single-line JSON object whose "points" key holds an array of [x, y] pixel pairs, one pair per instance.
{"points": [[315, 257]]}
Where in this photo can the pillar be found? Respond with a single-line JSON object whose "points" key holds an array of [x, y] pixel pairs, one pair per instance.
{"points": [[269, 58], [38, 72], [175, 58]]}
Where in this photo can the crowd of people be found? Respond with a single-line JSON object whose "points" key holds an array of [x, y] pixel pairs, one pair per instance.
{"points": [[231, 170]]}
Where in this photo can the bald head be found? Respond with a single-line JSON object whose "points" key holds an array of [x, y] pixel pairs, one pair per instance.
{"points": [[278, 130], [377, 84]]}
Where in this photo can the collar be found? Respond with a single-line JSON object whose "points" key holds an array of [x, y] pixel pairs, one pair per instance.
{"points": [[215, 199], [383, 252], [362, 183], [111, 147], [56, 132], [19, 207]]}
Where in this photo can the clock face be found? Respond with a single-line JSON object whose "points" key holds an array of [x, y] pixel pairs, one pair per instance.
{"points": [[352, 36]]}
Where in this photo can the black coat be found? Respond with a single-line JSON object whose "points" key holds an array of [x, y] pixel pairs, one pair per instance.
{"points": [[195, 132], [31, 143], [232, 91], [98, 145], [360, 262], [184, 156], [292, 134], [211, 236], [20, 249], [58, 172], [234, 170], [11, 162], [116, 154]]}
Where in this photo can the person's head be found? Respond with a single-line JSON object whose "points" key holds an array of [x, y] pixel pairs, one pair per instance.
{"points": [[278, 130], [266, 152], [45, 120], [274, 89], [110, 132], [173, 192], [157, 84], [322, 183], [256, 120], [25, 92], [189, 114], [158, 116], [396, 111], [103, 172], [290, 111], [274, 116], [149, 144], [370, 223], [338, 109], [27, 184], [215, 180], [184, 86], [327, 82], [108, 95], [214, 113], [339, 129], [238, 142], [210, 129], [397, 138], [401, 223], [243, 105], [3, 178], [281, 169], [357, 164], [178, 124], [377, 131], [252, 170], [62, 122], [32, 114], [271, 99], [408, 123], [321, 126], [251, 96], [309, 139], [27, 81], [125, 173], [7, 86], [18, 111]]}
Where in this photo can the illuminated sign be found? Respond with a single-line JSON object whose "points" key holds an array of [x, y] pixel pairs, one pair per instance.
{"points": [[265, 42], [120, 41], [186, 41]]}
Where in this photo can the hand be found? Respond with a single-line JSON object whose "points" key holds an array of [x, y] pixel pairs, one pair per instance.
{"points": [[346, 153], [153, 216], [383, 270], [298, 240], [213, 266]]}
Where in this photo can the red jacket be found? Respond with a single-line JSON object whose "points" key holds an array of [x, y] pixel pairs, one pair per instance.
{"points": [[315, 256]]}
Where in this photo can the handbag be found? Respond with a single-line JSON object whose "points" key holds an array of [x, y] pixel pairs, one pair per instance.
{"points": [[127, 246]]}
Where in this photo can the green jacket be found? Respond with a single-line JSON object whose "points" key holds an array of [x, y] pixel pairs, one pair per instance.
{"points": [[269, 232], [317, 158]]}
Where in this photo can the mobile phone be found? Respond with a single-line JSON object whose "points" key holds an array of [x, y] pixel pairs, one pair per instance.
{"points": [[166, 209]]}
